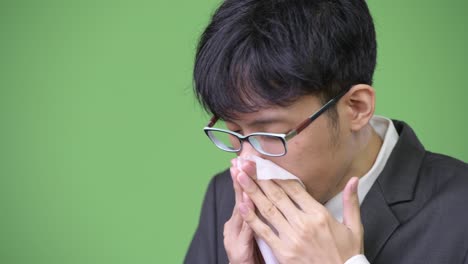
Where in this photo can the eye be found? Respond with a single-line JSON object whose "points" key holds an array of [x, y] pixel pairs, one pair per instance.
{"points": [[233, 127]]}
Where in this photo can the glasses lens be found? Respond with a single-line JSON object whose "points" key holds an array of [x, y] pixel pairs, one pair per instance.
{"points": [[225, 141], [269, 145]]}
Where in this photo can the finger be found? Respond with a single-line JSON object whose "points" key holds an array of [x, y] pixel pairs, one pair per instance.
{"points": [[246, 232], [233, 226], [236, 220], [259, 227], [274, 193], [236, 186], [233, 162], [249, 167], [246, 200], [351, 212], [299, 195], [266, 208], [280, 199]]}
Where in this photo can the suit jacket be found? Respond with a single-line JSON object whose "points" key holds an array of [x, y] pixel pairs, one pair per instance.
{"points": [[416, 212]]}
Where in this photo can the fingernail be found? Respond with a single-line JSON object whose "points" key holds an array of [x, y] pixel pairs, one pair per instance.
{"points": [[243, 209]]}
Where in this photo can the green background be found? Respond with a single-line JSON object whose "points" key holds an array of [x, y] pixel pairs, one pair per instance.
{"points": [[102, 156]]}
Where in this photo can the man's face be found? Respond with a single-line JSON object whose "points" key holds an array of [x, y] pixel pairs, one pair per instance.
{"points": [[320, 155]]}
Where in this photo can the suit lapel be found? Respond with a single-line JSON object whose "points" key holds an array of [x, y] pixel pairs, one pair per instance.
{"points": [[395, 185], [379, 223]]}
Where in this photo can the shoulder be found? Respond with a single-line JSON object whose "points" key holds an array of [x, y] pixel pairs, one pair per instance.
{"points": [[221, 183], [446, 172], [223, 194], [435, 160], [440, 188], [445, 183], [222, 179]]}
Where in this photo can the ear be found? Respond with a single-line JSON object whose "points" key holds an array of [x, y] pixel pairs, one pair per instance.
{"points": [[360, 105]]}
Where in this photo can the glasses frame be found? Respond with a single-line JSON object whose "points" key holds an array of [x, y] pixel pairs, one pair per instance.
{"points": [[283, 137]]}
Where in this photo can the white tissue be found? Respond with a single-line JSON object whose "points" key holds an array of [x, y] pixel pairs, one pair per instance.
{"points": [[267, 170]]}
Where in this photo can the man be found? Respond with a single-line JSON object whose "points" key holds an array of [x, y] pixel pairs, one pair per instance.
{"points": [[292, 83]]}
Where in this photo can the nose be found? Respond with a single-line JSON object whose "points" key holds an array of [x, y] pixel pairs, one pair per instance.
{"points": [[248, 150]]}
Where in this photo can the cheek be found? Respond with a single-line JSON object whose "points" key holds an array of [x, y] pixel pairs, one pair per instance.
{"points": [[307, 158], [315, 161]]}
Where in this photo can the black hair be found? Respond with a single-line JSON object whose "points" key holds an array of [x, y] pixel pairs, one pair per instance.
{"points": [[260, 53]]}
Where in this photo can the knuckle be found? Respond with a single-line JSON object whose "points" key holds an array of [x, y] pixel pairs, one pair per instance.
{"points": [[244, 228], [296, 190], [304, 222], [249, 189], [265, 232], [249, 218], [307, 232], [321, 220], [295, 243], [301, 224], [277, 196], [269, 211]]}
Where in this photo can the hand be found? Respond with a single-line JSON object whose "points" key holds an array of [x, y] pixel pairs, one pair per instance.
{"points": [[239, 241], [308, 234]]}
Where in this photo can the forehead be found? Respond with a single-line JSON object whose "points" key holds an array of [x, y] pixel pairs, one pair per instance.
{"points": [[261, 117], [299, 109]]}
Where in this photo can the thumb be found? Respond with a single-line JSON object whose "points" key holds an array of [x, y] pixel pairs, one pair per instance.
{"points": [[351, 212]]}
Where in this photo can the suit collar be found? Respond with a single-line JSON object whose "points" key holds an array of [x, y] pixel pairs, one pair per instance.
{"points": [[399, 177], [396, 184]]}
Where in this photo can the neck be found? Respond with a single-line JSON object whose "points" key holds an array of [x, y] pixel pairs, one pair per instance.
{"points": [[368, 145], [367, 155]]}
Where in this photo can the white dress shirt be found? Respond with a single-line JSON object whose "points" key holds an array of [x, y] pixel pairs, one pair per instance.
{"points": [[387, 132]]}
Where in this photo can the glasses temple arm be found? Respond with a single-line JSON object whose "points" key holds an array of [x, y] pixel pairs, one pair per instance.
{"points": [[213, 121], [315, 115]]}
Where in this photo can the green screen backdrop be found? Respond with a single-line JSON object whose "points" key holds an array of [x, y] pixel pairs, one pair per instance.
{"points": [[102, 156]]}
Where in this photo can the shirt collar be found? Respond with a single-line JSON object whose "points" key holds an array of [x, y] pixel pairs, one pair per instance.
{"points": [[386, 130]]}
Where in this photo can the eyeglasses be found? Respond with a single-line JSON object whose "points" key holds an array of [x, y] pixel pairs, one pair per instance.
{"points": [[269, 144]]}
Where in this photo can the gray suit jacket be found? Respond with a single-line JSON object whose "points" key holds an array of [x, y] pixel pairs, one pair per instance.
{"points": [[415, 213]]}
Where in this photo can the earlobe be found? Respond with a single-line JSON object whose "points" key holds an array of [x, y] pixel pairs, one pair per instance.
{"points": [[360, 102]]}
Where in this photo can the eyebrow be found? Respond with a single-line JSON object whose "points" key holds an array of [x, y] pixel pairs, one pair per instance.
{"points": [[265, 121], [259, 122]]}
